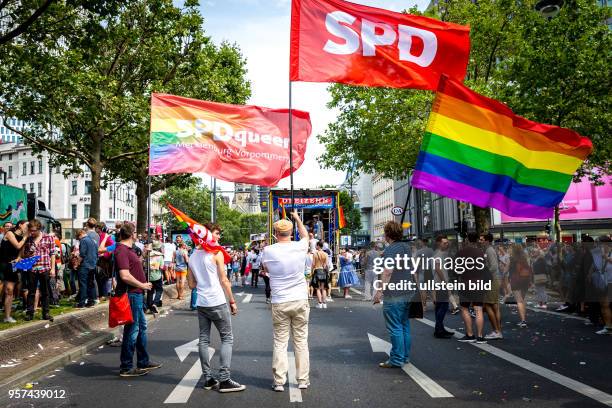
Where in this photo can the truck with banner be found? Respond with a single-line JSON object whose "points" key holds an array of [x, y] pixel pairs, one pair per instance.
{"points": [[16, 205], [318, 208]]}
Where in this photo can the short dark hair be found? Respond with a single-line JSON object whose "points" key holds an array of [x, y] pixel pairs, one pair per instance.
{"points": [[126, 231], [473, 237], [213, 226], [319, 244], [439, 238], [91, 222], [487, 237], [393, 230]]}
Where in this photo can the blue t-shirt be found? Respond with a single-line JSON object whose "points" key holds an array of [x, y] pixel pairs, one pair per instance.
{"points": [[401, 274], [88, 251]]}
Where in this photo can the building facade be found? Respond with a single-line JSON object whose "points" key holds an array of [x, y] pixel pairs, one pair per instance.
{"points": [[246, 199], [68, 198], [383, 200]]}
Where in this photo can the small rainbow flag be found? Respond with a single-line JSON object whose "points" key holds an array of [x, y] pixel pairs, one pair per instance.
{"points": [[283, 211], [200, 235], [341, 219], [476, 149]]}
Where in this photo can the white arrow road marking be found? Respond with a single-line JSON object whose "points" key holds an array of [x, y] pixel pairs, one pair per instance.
{"points": [[431, 387], [247, 298], [553, 376], [295, 394], [183, 351], [182, 392]]}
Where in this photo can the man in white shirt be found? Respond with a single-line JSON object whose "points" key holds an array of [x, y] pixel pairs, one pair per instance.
{"points": [[207, 275], [168, 249], [284, 263]]}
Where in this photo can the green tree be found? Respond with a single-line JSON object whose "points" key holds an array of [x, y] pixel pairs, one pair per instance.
{"points": [[351, 214], [85, 91]]}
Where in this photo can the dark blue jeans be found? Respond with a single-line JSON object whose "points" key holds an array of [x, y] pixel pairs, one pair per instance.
{"points": [[87, 287], [135, 335], [395, 312], [440, 309], [194, 298]]}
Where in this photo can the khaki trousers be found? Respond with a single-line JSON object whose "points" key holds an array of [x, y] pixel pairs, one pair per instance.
{"points": [[290, 317]]}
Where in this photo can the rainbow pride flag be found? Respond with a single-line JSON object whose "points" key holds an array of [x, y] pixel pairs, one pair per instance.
{"points": [[477, 150]]}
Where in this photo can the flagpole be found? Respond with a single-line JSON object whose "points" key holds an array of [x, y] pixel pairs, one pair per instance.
{"points": [[291, 148], [148, 229]]}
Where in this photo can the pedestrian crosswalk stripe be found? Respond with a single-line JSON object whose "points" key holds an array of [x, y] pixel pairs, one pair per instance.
{"points": [[247, 298], [553, 376]]}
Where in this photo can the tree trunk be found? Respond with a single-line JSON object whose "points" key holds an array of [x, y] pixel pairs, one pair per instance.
{"points": [[482, 217], [96, 174], [142, 199]]}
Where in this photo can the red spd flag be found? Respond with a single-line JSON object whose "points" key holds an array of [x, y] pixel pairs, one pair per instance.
{"points": [[338, 41], [246, 144]]}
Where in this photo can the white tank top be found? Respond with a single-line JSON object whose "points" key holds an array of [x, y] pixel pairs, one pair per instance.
{"points": [[204, 269]]}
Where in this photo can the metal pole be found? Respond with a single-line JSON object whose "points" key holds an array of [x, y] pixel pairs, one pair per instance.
{"points": [[214, 201], [115, 200], [149, 211], [49, 194], [291, 148]]}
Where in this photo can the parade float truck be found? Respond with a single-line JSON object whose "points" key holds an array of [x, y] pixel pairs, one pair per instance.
{"points": [[321, 204], [16, 205]]}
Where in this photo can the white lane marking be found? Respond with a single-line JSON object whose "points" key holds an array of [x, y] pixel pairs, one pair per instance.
{"points": [[183, 350], [182, 392], [431, 387], [357, 291], [295, 394], [553, 376], [247, 298], [563, 315]]}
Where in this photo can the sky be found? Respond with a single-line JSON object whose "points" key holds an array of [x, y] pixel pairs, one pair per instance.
{"points": [[261, 28]]}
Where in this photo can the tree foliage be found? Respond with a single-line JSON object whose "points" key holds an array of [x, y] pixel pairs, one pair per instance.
{"points": [[554, 71], [351, 214], [85, 90]]}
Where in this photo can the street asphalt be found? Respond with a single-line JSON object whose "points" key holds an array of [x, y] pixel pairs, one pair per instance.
{"points": [[556, 362]]}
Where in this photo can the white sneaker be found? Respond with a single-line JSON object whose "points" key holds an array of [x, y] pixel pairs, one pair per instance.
{"points": [[278, 387], [9, 320], [319, 305], [329, 299], [348, 297], [494, 336], [324, 305], [604, 331], [303, 386]]}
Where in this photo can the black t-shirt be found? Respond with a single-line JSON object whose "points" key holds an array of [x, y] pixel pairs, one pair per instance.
{"points": [[126, 258], [8, 252]]}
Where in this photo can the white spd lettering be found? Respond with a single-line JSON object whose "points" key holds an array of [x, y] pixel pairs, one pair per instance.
{"points": [[223, 132], [373, 34]]}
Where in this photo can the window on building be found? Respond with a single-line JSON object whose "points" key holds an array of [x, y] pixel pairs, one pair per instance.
{"points": [[110, 192], [87, 187], [31, 187], [57, 170], [74, 188], [40, 165], [24, 168], [87, 211], [10, 171], [67, 234], [110, 213], [32, 167], [74, 211], [39, 190], [10, 156], [23, 186]]}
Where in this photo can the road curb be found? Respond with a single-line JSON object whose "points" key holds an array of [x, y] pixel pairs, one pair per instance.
{"points": [[39, 370]]}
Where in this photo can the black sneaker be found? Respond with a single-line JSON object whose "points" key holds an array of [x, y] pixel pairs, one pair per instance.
{"points": [[480, 340], [450, 333], [150, 367], [47, 317], [443, 335], [230, 386], [134, 372], [467, 339], [210, 384], [153, 309]]}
